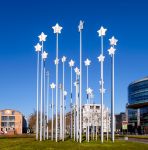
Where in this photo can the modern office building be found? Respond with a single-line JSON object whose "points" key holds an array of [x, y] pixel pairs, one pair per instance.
{"points": [[138, 106], [11, 122], [91, 116]]}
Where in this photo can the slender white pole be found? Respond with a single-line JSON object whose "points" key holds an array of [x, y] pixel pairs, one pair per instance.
{"points": [[52, 118], [102, 91], [77, 107], [112, 99], [80, 85], [107, 124], [37, 104], [57, 87], [87, 83], [41, 114], [63, 105], [47, 103], [71, 126], [61, 111], [74, 121]]}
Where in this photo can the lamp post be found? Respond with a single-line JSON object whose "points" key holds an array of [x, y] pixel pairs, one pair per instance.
{"points": [[101, 32], [87, 63], [44, 56], [37, 49], [63, 61], [80, 27], [57, 30], [47, 74], [71, 64], [52, 87], [42, 38], [111, 51]]}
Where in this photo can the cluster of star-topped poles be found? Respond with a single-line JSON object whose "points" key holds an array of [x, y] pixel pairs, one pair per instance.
{"points": [[38, 48]]}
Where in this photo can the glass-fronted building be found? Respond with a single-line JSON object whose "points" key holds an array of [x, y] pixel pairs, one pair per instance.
{"points": [[138, 106]]}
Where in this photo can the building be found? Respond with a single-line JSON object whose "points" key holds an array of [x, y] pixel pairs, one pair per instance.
{"points": [[11, 122], [91, 116], [121, 122], [138, 106]]}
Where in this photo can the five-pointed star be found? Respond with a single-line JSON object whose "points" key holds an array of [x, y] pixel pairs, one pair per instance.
{"points": [[42, 37], [87, 62], [102, 31], [111, 51], [38, 47], [56, 61], [113, 41], [63, 59], [102, 90], [75, 83], [77, 71], [52, 85], [80, 27], [57, 29], [44, 55], [71, 63], [100, 82], [89, 91], [101, 58], [65, 93]]}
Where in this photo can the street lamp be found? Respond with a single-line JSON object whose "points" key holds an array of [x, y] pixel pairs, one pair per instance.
{"points": [[42, 38], [63, 61], [37, 49], [111, 51], [80, 27], [71, 64], [87, 63], [57, 30], [101, 32], [44, 57], [52, 87]]}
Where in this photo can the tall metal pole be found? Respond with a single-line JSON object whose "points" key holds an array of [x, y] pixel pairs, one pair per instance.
{"points": [[37, 49], [80, 30], [61, 111], [47, 73]]}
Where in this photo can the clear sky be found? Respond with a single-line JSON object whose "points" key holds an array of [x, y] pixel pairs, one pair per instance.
{"points": [[22, 21]]}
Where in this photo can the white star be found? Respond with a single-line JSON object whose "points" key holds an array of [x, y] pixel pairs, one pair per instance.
{"points": [[89, 91], [111, 51], [44, 55], [101, 58], [77, 71], [87, 62], [71, 63], [102, 90], [113, 41], [75, 83], [38, 47], [63, 59], [102, 31], [100, 82], [52, 85], [80, 27], [57, 29], [42, 37], [56, 61], [65, 93]]}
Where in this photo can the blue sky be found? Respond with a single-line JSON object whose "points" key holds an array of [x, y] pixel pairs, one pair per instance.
{"points": [[22, 21]]}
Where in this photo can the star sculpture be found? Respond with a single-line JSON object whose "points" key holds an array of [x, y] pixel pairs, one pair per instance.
{"points": [[102, 31], [102, 90], [101, 58], [111, 51], [52, 85], [113, 41], [63, 59], [71, 63], [65, 93], [56, 61], [77, 71], [75, 83], [87, 62], [44, 55], [80, 27], [42, 37], [38, 47], [89, 91], [100, 82], [57, 29]]}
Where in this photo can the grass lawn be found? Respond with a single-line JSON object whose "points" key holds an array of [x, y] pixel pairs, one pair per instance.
{"points": [[29, 143]]}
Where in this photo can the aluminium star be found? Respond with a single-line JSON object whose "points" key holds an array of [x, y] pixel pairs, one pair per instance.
{"points": [[113, 41], [101, 58], [102, 91], [102, 31], [42, 37], [63, 59], [71, 63], [38, 47], [56, 61], [80, 27], [52, 85], [44, 55], [111, 51], [87, 62], [57, 29]]}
